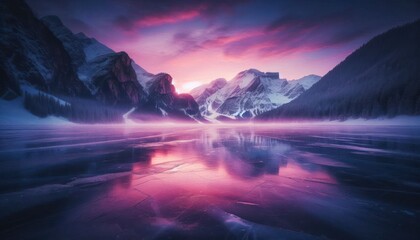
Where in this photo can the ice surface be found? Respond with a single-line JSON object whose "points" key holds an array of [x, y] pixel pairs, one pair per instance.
{"points": [[210, 182]]}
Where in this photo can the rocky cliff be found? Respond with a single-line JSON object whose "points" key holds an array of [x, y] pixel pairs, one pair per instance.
{"points": [[31, 54]]}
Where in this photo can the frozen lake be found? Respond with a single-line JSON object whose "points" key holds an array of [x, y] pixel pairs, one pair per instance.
{"points": [[290, 182]]}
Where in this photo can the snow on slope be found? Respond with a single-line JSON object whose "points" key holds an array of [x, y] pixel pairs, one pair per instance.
{"points": [[203, 92], [211, 87], [306, 81], [14, 113], [92, 47], [250, 93], [143, 76], [84, 50]]}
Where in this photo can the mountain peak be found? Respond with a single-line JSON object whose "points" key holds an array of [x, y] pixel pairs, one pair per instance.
{"points": [[218, 80], [258, 73], [208, 88], [312, 76], [307, 81], [252, 70]]}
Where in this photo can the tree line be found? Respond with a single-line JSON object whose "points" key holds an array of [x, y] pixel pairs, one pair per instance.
{"points": [[74, 109]]}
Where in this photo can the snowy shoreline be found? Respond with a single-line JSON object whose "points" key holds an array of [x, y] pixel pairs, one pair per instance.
{"points": [[13, 113]]}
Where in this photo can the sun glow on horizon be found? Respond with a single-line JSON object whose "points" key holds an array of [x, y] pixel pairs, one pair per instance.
{"points": [[188, 86]]}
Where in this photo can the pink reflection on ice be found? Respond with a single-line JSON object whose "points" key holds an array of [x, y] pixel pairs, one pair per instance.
{"points": [[218, 169], [183, 181]]}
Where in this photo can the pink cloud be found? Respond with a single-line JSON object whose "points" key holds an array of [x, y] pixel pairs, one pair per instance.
{"points": [[226, 39], [168, 19]]}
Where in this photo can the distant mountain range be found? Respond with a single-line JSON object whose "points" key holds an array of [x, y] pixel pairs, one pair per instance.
{"points": [[46, 55], [381, 78], [248, 94]]}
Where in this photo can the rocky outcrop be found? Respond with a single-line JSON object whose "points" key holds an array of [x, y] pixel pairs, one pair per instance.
{"points": [[114, 80], [186, 103], [31, 53], [111, 77], [165, 101], [161, 85], [83, 49]]}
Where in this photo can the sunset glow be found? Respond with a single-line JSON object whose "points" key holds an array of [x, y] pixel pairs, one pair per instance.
{"points": [[200, 41]]}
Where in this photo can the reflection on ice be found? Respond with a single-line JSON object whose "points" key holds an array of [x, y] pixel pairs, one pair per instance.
{"points": [[210, 183]]}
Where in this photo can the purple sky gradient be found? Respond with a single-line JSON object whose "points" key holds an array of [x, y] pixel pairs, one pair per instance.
{"points": [[198, 41]]}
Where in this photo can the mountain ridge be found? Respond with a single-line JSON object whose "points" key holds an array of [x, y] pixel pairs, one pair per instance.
{"points": [[248, 94], [45, 54], [381, 78]]}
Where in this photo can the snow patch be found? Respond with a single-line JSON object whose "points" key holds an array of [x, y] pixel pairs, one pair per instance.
{"points": [[96, 49], [248, 94], [126, 116], [14, 113], [164, 113]]}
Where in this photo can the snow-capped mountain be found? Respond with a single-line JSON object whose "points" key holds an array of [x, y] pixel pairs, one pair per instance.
{"points": [[203, 92], [83, 50], [80, 48], [143, 76], [112, 80], [30, 53], [248, 94], [306, 81], [164, 100], [109, 76], [98, 83]]}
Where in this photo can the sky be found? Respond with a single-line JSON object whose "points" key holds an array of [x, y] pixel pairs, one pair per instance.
{"points": [[198, 41]]}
